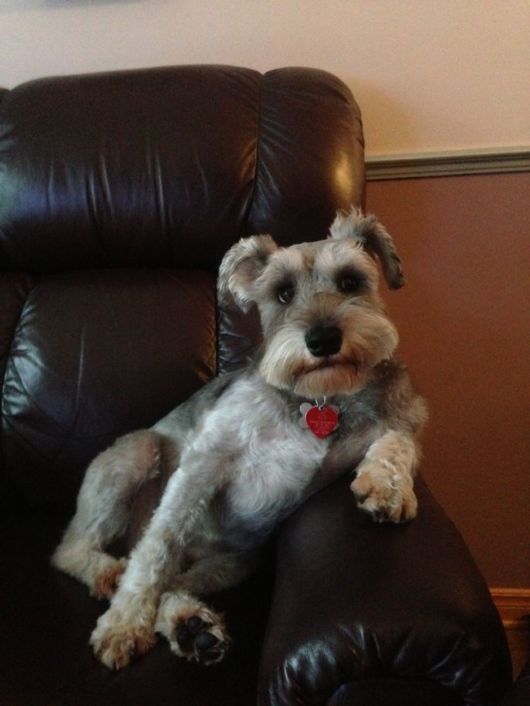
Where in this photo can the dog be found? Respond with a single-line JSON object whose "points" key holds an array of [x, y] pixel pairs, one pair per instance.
{"points": [[324, 395]]}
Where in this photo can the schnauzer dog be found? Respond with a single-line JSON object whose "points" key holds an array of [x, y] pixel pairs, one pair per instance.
{"points": [[324, 395]]}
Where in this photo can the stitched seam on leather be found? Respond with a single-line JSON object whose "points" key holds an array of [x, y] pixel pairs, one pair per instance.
{"points": [[257, 162], [9, 347], [9, 350], [249, 209]]}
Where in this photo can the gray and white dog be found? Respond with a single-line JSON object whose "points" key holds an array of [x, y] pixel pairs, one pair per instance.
{"points": [[323, 396]]}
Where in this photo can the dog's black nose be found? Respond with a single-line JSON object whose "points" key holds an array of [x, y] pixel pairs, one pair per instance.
{"points": [[324, 340]]}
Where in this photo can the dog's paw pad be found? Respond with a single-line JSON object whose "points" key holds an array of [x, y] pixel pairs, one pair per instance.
{"points": [[201, 641]]}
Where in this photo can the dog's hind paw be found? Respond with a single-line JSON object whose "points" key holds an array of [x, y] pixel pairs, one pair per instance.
{"points": [[116, 647], [201, 641], [194, 631]]}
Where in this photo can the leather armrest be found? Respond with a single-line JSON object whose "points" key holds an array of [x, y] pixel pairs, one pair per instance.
{"points": [[356, 601], [519, 694]]}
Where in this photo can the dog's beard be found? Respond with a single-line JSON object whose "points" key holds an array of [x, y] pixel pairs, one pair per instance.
{"points": [[368, 339], [329, 380]]}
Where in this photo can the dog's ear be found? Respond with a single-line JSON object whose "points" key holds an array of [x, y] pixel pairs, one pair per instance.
{"points": [[240, 268], [373, 236]]}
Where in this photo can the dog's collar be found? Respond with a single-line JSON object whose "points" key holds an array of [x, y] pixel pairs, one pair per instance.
{"points": [[320, 418]]}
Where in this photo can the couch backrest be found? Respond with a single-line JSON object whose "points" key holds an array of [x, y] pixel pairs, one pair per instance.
{"points": [[119, 194]]}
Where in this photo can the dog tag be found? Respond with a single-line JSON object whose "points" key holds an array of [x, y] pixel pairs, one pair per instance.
{"points": [[322, 420]]}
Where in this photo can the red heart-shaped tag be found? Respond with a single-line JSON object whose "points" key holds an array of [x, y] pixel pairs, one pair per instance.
{"points": [[322, 421]]}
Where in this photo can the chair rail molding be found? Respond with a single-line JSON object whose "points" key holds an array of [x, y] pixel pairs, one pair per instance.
{"points": [[456, 163], [513, 605]]}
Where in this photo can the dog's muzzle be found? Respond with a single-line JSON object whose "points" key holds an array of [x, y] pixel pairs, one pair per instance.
{"points": [[323, 341]]}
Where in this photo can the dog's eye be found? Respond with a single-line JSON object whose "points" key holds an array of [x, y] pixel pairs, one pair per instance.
{"points": [[285, 294], [349, 283]]}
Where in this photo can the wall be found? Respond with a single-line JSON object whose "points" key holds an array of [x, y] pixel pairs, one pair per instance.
{"points": [[464, 324], [429, 75]]}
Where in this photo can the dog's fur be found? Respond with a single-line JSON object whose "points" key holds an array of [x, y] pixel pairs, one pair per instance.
{"points": [[236, 454]]}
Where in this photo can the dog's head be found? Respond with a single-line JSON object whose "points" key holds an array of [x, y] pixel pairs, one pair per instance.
{"points": [[323, 321]]}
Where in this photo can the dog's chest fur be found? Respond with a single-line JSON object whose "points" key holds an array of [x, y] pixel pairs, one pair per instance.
{"points": [[262, 460], [268, 457]]}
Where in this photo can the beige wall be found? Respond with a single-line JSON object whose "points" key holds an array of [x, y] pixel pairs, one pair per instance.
{"points": [[464, 322], [430, 75]]}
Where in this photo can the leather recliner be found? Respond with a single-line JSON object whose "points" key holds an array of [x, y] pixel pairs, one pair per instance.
{"points": [[119, 194]]}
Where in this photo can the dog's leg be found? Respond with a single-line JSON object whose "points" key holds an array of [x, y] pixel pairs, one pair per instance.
{"points": [[384, 482], [217, 572], [193, 630], [103, 507], [127, 629]]}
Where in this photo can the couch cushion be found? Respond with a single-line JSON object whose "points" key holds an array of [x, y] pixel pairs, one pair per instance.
{"points": [[132, 168], [95, 354], [46, 619], [169, 167]]}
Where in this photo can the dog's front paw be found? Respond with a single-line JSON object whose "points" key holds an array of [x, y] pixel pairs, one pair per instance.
{"points": [[116, 645], [386, 496]]}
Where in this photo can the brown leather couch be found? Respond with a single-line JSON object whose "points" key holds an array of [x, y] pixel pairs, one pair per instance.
{"points": [[519, 694], [119, 193]]}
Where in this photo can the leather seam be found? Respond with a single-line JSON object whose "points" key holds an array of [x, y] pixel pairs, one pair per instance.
{"points": [[257, 163], [9, 350], [259, 131], [9, 347]]}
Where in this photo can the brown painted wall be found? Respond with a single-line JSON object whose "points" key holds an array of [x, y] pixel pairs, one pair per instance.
{"points": [[464, 319]]}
